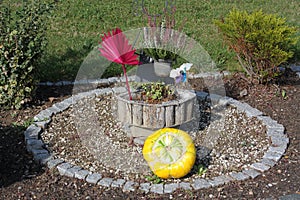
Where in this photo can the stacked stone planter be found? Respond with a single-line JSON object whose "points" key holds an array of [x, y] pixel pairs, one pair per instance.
{"points": [[144, 118]]}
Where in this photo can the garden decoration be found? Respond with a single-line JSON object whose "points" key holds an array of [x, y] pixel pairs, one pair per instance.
{"points": [[170, 153], [115, 48], [180, 74]]}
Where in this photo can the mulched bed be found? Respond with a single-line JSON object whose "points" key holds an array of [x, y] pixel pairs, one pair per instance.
{"points": [[21, 178]]}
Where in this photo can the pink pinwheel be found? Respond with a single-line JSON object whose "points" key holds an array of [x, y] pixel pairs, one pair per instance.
{"points": [[115, 48]]}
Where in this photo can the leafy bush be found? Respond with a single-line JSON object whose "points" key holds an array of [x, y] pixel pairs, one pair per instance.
{"points": [[261, 41], [22, 40]]}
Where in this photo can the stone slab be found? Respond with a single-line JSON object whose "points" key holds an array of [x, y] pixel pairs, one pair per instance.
{"points": [[71, 171], [118, 183], [130, 186], [272, 156], [53, 163], [32, 132], [157, 188], [260, 166], [93, 178], [200, 183], [239, 176], [106, 182], [62, 168], [145, 187], [185, 185], [251, 172], [170, 187], [81, 174], [220, 180]]}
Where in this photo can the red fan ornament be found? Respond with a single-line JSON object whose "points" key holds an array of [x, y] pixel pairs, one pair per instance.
{"points": [[115, 48]]}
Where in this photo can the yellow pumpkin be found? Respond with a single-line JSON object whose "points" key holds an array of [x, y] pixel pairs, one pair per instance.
{"points": [[170, 153]]}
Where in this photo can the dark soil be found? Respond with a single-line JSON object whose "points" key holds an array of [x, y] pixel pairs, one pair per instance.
{"points": [[21, 178]]}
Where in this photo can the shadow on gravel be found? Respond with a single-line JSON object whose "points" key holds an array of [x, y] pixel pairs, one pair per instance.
{"points": [[16, 163]]}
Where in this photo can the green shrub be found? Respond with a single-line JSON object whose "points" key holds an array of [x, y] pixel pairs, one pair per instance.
{"points": [[261, 41], [22, 40]]}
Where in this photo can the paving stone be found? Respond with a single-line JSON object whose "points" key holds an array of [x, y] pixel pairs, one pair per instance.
{"points": [[239, 176], [44, 115], [118, 183], [130, 186], [54, 163], [93, 178], [200, 183], [145, 187], [279, 141], [260, 166], [220, 180], [119, 90], [32, 132], [185, 185], [42, 158], [53, 110], [61, 106], [71, 171], [170, 187], [269, 162], [251, 172], [39, 151], [272, 156], [33, 147], [271, 124], [290, 197], [104, 91], [275, 133], [157, 188], [43, 124], [278, 149], [106, 182], [113, 80], [81, 174], [34, 142], [62, 168]]}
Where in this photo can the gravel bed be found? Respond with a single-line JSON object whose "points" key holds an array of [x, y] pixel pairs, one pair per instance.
{"points": [[87, 135]]}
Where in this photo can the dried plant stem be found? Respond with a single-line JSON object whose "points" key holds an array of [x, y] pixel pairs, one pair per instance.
{"points": [[127, 84]]}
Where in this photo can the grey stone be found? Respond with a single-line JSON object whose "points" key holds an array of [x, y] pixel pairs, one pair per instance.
{"points": [[271, 124], [278, 149], [48, 83], [239, 176], [185, 185], [34, 142], [104, 91], [32, 132], [118, 183], [59, 83], [145, 187], [43, 124], [260, 166], [131, 78], [200, 183], [279, 140], [275, 133], [81, 174], [106, 182], [220, 180], [157, 188], [295, 68], [269, 162], [39, 151], [44, 115], [251, 172], [171, 187], [53, 110], [201, 95], [272, 155], [67, 83], [113, 80], [61, 106], [62, 168], [93, 178], [54, 163], [71, 171], [224, 101], [290, 197], [118, 90], [130, 186], [32, 147], [42, 158]]}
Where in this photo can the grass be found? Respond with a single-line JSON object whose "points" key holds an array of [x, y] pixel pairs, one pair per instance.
{"points": [[76, 25]]}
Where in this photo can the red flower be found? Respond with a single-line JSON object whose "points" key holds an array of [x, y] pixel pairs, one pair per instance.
{"points": [[115, 48]]}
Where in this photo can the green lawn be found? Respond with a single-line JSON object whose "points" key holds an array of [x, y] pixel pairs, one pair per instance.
{"points": [[76, 26]]}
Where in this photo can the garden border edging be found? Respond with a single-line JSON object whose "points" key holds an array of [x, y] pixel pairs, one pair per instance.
{"points": [[34, 145]]}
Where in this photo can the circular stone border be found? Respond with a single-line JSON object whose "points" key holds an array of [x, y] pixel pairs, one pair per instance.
{"points": [[34, 145]]}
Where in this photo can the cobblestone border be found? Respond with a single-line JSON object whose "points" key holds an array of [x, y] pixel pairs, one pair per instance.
{"points": [[35, 145]]}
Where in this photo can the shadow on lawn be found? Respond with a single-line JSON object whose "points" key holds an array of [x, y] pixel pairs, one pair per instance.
{"points": [[16, 163]]}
